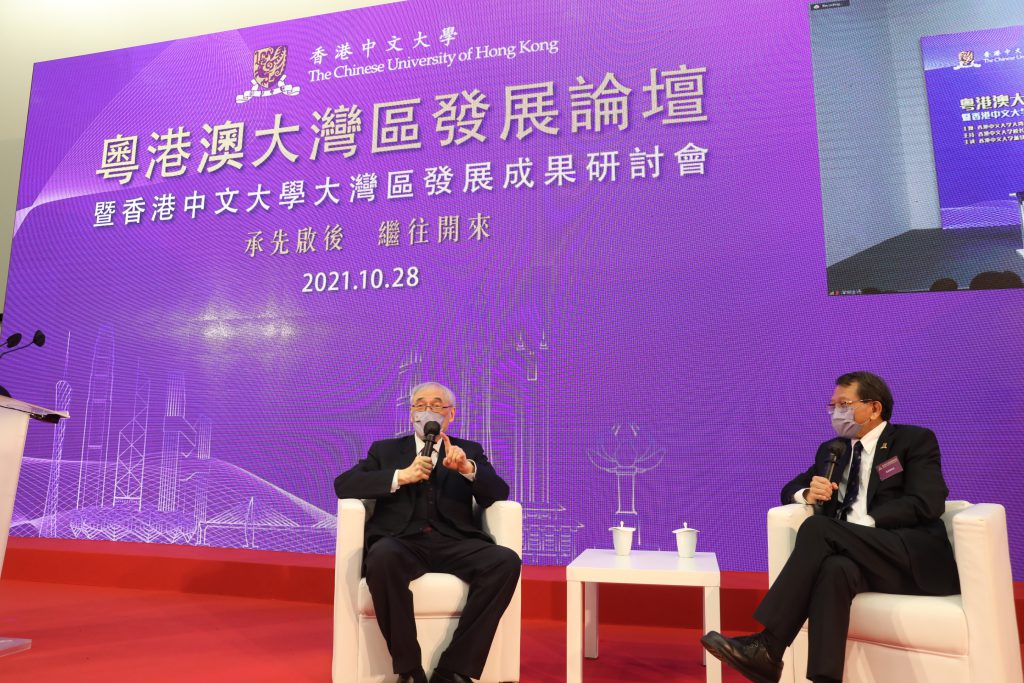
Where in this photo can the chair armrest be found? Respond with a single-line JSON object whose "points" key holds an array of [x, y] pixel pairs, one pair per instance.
{"points": [[503, 520], [783, 523], [986, 583], [348, 567]]}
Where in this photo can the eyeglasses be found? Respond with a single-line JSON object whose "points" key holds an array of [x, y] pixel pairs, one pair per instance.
{"points": [[436, 406], [844, 405]]}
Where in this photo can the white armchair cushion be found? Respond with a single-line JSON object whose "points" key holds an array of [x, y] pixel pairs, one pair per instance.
{"points": [[964, 638], [503, 520], [916, 622], [433, 595], [360, 653]]}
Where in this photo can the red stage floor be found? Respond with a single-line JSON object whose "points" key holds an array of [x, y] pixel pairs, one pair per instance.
{"points": [[85, 634], [111, 612]]}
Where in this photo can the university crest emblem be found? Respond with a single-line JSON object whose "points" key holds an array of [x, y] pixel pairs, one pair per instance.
{"points": [[268, 74], [966, 59]]}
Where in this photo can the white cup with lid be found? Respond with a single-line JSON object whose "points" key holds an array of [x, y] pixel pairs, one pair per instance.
{"points": [[686, 541], [622, 538]]}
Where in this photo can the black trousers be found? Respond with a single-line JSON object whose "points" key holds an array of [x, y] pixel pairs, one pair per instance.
{"points": [[492, 572], [831, 563]]}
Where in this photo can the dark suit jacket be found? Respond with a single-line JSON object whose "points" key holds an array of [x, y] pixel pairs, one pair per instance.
{"points": [[908, 503], [372, 477]]}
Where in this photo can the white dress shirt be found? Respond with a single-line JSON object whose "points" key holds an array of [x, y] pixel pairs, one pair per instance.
{"points": [[858, 514], [420, 445]]}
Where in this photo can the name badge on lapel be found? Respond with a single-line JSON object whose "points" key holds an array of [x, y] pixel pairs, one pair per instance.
{"points": [[889, 468]]}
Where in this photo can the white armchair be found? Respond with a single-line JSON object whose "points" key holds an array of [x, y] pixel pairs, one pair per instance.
{"points": [[971, 637], [360, 653]]}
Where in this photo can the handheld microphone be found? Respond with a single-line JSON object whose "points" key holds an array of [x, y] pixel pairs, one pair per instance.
{"points": [[835, 451], [430, 433], [431, 430]]}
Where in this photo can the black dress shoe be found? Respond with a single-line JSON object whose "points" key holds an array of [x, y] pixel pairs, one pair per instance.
{"points": [[445, 676], [415, 676], [746, 654]]}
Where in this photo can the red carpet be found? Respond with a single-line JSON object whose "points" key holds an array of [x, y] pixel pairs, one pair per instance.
{"points": [[107, 612], [87, 634], [310, 578]]}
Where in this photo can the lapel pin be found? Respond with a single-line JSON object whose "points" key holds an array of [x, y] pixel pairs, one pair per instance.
{"points": [[884, 447]]}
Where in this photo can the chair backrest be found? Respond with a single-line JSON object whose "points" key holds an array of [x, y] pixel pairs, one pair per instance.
{"points": [[370, 503]]}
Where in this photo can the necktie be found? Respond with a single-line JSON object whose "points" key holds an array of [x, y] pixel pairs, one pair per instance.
{"points": [[853, 485]]}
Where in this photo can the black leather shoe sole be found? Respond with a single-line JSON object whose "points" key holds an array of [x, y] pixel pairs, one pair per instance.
{"points": [[449, 677], [716, 645]]}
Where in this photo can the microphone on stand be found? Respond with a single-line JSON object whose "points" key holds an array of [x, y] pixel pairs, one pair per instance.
{"points": [[38, 339]]}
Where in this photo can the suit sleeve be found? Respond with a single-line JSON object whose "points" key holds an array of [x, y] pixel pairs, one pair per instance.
{"points": [[488, 486], [924, 489], [802, 480], [366, 479]]}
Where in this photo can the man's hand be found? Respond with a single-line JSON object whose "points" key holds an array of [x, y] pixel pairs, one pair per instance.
{"points": [[418, 471], [455, 457], [820, 490]]}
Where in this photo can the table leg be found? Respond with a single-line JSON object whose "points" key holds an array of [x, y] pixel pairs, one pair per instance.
{"points": [[590, 619], [574, 632], [712, 622]]}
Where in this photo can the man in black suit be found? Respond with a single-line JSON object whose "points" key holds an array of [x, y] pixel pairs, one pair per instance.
{"points": [[880, 532], [423, 522]]}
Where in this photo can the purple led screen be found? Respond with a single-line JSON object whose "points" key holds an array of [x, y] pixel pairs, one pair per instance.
{"points": [[975, 85], [602, 229]]}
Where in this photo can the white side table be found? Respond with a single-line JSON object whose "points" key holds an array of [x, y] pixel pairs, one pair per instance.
{"points": [[652, 568]]}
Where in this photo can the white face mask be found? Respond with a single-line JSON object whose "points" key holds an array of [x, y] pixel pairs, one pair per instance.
{"points": [[421, 417], [844, 424]]}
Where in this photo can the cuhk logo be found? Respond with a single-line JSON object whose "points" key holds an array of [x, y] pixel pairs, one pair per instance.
{"points": [[966, 59], [268, 74]]}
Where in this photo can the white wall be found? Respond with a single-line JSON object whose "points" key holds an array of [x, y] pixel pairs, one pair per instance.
{"points": [[38, 30]]}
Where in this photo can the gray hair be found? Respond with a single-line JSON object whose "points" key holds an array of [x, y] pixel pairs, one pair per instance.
{"points": [[449, 395]]}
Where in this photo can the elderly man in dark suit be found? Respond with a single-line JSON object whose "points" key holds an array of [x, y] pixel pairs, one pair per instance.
{"points": [[423, 522], [876, 528]]}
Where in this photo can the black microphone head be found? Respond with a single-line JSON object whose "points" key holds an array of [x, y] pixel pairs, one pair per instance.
{"points": [[835, 450], [14, 340], [431, 430], [39, 338]]}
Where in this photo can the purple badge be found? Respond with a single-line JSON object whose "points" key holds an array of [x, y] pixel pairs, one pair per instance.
{"points": [[889, 467]]}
